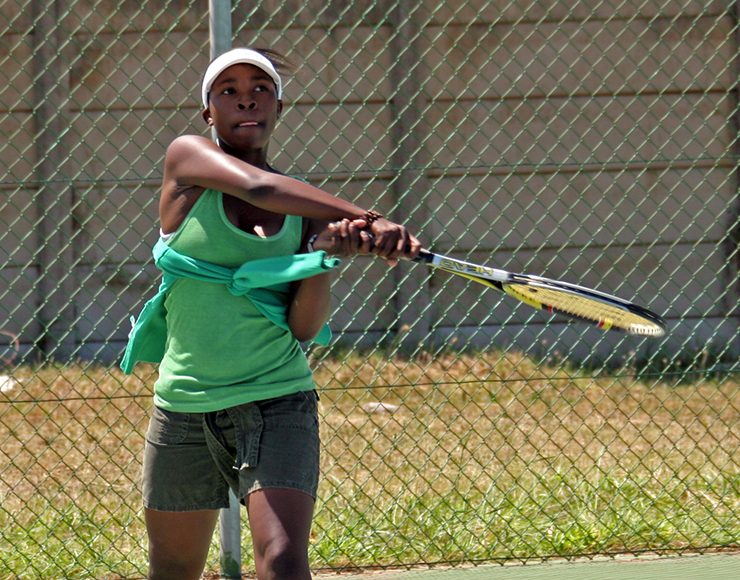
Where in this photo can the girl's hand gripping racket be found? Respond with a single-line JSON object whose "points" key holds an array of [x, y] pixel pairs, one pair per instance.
{"points": [[601, 310]]}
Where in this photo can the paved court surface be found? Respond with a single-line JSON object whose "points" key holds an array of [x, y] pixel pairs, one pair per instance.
{"points": [[724, 566]]}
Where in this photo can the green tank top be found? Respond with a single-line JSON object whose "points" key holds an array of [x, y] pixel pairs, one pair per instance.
{"points": [[221, 351]]}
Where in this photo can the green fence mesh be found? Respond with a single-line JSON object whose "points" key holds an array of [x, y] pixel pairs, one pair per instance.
{"points": [[589, 141]]}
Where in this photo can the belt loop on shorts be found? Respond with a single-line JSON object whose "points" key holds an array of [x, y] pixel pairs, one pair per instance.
{"points": [[212, 439], [247, 420]]}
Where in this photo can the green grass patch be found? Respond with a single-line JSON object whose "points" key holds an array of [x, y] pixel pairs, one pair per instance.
{"points": [[472, 457]]}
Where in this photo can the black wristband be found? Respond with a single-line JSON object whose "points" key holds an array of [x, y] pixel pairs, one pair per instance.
{"points": [[371, 216]]}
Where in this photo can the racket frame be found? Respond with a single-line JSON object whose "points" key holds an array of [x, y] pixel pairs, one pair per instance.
{"points": [[505, 281]]}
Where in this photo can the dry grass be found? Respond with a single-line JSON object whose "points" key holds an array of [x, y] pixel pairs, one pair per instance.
{"points": [[494, 412], [448, 458]]}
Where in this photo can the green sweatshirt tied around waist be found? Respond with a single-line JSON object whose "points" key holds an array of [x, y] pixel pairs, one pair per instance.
{"points": [[253, 280]]}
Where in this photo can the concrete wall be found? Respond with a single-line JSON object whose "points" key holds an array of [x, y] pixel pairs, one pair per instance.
{"points": [[581, 141]]}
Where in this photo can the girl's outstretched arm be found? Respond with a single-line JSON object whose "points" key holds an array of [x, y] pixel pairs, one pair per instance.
{"points": [[197, 162]]}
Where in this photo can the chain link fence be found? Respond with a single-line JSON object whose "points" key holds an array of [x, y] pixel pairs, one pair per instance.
{"points": [[588, 141]]}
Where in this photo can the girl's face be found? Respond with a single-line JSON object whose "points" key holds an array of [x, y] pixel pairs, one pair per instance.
{"points": [[243, 107]]}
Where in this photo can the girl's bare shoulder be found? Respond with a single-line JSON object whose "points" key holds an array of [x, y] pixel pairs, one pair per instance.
{"points": [[187, 144]]}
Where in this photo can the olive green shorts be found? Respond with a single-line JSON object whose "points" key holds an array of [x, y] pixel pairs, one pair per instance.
{"points": [[192, 459]]}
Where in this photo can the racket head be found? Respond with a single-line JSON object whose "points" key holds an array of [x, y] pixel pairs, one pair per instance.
{"points": [[602, 310], [577, 302]]}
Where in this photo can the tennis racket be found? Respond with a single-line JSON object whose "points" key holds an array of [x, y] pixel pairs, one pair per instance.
{"points": [[577, 302]]}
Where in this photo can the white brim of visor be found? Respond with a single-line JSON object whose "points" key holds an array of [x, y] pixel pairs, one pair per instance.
{"points": [[238, 56]]}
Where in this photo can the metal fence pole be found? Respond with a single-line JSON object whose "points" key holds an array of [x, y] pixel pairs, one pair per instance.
{"points": [[54, 197], [408, 157], [229, 519], [220, 26], [230, 527]]}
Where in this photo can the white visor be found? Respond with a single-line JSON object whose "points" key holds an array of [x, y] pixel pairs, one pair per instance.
{"points": [[239, 56]]}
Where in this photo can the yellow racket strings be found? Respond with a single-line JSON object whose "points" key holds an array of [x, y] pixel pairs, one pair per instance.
{"points": [[604, 315]]}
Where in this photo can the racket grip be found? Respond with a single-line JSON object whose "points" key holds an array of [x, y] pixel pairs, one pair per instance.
{"points": [[424, 257]]}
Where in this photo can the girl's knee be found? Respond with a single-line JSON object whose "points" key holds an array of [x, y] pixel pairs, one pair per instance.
{"points": [[285, 564], [166, 564], [174, 570]]}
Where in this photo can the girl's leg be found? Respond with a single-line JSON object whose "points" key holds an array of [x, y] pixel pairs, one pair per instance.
{"points": [[280, 522], [179, 543]]}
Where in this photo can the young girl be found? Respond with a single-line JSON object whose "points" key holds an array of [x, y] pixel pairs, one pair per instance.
{"points": [[235, 405]]}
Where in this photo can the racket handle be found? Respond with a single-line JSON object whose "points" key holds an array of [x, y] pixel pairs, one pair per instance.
{"points": [[424, 257]]}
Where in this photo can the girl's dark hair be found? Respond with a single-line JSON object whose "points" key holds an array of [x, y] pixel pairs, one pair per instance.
{"points": [[282, 64]]}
